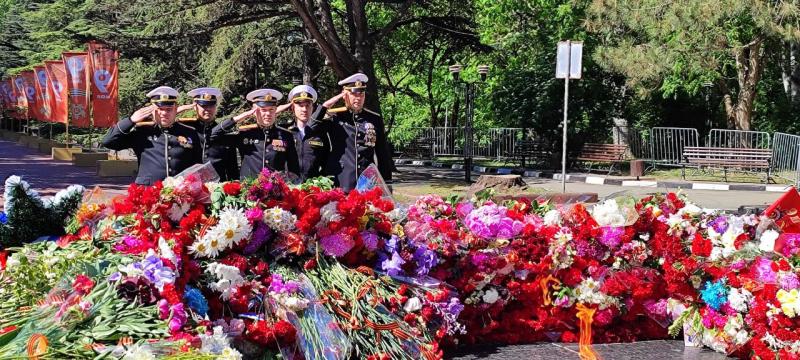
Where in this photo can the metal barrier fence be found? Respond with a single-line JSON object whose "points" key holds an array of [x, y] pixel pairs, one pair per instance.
{"points": [[667, 143], [488, 143], [785, 157], [738, 139], [636, 140]]}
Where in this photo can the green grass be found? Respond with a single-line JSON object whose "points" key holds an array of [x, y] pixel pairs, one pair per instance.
{"points": [[407, 193]]}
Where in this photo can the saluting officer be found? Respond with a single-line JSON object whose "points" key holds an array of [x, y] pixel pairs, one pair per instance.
{"points": [[222, 156], [163, 146], [312, 146], [356, 134], [263, 144]]}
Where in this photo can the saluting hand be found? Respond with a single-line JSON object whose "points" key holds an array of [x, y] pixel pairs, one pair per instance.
{"points": [[185, 108], [245, 114], [283, 108], [332, 101], [143, 114]]}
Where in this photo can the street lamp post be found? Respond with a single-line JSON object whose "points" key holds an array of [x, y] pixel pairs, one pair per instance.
{"points": [[469, 88]]}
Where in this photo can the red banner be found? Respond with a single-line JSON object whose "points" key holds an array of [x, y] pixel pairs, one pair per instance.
{"points": [[19, 94], [105, 84], [9, 101], [78, 86], [30, 94], [42, 93], [57, 78]]}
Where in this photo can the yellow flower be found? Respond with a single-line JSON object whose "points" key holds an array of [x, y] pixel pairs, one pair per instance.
{"points": [[790, 302]]}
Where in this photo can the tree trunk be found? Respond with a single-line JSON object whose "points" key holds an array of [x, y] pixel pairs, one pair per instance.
{"points": [[749, 64], [790, 71]]}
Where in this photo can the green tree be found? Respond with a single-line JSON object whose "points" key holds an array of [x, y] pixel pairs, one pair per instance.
{"points": [[678, 46]]}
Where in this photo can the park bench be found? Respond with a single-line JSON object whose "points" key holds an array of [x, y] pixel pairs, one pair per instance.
{"points": [[535, 150], [612, 154], [421, 148], [742, 159]]}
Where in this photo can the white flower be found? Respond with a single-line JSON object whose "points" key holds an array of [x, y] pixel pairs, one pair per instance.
{"points": [[328, 213], [768, 240], [552, 217], [231, 229], [691, 209], [166, 251], [215, 343], [413, 304], [228, 278], [172, 182], [608, 213], [72, 190], [230, 354], [12, 262], [588, 292], [280, 220], [138, 352], [739, 299], [177, 211], [490, 296]]}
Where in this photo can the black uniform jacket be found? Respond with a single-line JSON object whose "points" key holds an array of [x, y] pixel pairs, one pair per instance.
{"points": [[357, 140], [259, 148], [160, 152]]}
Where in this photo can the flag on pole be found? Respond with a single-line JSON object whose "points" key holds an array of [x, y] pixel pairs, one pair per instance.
{"points": [[104, 84], [57, 78], [78, 86], [8, 95], [42, 94], [19, 95], [29, 80]]}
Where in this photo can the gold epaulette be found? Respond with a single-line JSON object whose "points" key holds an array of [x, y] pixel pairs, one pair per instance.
{"points": [[145, 123], [337, 110], [371, 112], [191, 119], [281, 128], [247, 127]]}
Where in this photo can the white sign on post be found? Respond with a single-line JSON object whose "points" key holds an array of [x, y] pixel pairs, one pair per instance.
{"points": [[568, 66]]}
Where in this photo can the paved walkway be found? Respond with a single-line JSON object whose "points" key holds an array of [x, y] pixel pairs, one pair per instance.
{"points": [[48, 176], [715, 199]]}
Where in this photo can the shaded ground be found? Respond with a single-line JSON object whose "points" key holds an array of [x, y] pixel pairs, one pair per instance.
{"points": [[48, 176]]}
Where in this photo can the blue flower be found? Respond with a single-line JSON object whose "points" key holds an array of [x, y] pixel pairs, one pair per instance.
{"points": [[394, 265], [3, 218], [195, 300], [426, 259], [714, 294]]}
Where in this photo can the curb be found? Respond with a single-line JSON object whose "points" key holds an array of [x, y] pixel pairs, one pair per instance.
{"points": [[599, 180]]}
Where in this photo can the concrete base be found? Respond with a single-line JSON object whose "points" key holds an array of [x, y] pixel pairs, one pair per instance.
{"points": [[88, 159], [36, 142], [24, 139], [64, 154], [47, 146], [114, 168]]}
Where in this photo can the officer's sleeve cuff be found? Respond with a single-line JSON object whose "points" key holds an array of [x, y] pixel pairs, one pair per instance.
{"points": [[125, 125], [228, 125]]}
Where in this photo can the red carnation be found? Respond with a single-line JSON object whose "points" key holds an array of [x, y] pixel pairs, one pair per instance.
{"points": [[701, 246], [236, 260], [82, 284], [232, 188]]}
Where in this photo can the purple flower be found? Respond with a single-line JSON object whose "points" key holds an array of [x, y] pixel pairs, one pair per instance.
{"points": [[178, 318], [137, 289], [336, 244], [611, 236], [394, 265], [791, 244], [491, 221], [764, 271], [720, 224], [254, 214], [277, 285], [261, 235], [426, 259], [392, 245], [370, 240], [789, 281], [454, 307]]}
